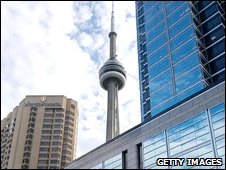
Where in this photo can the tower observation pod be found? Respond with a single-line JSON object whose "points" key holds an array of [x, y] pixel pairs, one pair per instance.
{"points": [[112, 77]]}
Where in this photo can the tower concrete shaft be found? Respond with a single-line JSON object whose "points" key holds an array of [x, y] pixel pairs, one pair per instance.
{"points": [[112, 110], [112, 78]]}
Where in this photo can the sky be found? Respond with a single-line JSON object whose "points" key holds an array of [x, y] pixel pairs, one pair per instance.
{"points": [[57, 48]]}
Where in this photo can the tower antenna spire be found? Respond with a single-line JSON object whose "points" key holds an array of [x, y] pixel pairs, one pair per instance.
{"points": [[112, 35], [112, 18]]}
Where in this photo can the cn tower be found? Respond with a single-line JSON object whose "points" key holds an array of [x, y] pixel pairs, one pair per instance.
{"points": [[112, 77]]}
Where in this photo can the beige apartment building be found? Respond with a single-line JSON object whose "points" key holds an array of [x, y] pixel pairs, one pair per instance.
{"points": [[40, 133]]}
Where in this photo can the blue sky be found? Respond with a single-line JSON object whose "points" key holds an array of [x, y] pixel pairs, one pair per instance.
{"points": [[57, 48]]}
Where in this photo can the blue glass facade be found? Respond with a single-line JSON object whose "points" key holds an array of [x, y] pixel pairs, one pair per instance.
{"points": [[180, 51], [202, 136]]}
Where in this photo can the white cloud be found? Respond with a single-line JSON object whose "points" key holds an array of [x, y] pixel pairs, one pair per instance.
{"points": [[85, 40], [57, 48]]}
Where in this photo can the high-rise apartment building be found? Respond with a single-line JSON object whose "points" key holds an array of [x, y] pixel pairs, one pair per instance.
{"points": [[181, 50], [40, 133]]}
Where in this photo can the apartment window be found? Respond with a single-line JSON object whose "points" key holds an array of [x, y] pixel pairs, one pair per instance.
{"points": [[67, 146], [42, 167], [29, 136], [69, 118], [46, 131], [44, 149], [24, 167], [58, 126], [47, 126], [27, 154], [59, 110], [43, 162], [46, 137], [70, 135], [27, 148], [28, 142], [30, 131], [48, 115], [31, 119], [57, 132], [42, 155], [25, 160], [57, 137], [48, 120], [33, 114], [34, 109], [55, 155], [53, 167], [69, 113], [54, 161], [56, 143], [48, 110], [68, 140], [66, 152], [45, 143], [67, 123], [31, 124], [56, 149], [60, 115], [59, 120]]}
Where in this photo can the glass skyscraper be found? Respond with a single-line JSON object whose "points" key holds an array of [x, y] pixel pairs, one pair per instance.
{"points": [[181, 51]]}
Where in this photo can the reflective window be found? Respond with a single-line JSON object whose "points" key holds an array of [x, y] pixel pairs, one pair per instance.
{"points": [[172, 6], [216, 49], [148, 5], [215, 35], [180, 26], [154, 10], [159, 67], [218, 119], [188, 79], [189, 91], [187, 64], [161, 80], [217, 64], [156, 43], [114, 163], [161, 95], [178, 14], [99, 166], [212, 23], [154, 20], [188, 134], [157, 55], [184, 51], [182, 38], [156, 31], [154, 148]]}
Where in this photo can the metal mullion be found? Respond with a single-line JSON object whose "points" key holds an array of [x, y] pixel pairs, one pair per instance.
{"points": [[169, 52]]}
